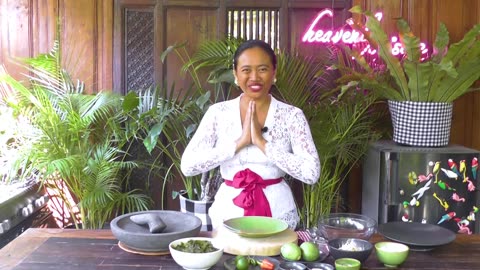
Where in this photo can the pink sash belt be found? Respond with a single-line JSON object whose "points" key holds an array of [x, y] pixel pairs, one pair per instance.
{"points": [[252, 199]]}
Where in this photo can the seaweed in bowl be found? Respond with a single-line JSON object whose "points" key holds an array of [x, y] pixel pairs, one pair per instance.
{"points": [[195, 246], [196, 252]]}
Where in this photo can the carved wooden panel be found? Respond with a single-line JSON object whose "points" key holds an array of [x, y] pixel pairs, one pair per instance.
{"points": [[139, 49]]}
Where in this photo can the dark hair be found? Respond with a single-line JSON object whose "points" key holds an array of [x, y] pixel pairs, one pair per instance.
{"points": [[254, 43]]}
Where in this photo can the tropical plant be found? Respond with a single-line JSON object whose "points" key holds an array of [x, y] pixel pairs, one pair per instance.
{"points": [[78, 142], [342, 129], [169, 116], [342, 132], [173, 117], [447, 74]]}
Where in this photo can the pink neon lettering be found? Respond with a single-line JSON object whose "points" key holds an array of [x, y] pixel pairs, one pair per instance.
{"points": [[322, 36], [351, 37], [307, 37]]}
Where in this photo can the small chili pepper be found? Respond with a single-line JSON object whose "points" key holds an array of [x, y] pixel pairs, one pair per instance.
{"points": [[266, 264]]}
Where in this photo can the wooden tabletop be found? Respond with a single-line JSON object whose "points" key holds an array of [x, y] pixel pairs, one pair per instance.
{"points": [[97, 249]]}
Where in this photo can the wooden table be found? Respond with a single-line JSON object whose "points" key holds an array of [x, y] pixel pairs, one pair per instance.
{"points": [[98, 249]]}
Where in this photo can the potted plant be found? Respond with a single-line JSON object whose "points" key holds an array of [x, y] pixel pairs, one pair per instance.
{"points": [[76, 146], [417, 87]]}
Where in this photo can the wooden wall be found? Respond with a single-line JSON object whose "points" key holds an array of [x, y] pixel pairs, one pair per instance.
{"points": [[92, 34], [27, 28]]}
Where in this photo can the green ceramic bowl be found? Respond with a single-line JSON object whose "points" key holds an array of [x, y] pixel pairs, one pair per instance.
{"points": [[347, 264], [391, 254], [255, 227]]}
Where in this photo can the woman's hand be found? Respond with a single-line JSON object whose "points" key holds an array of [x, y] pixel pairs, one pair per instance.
{"points": [[256, 130], [251, 130], [246, 137]]}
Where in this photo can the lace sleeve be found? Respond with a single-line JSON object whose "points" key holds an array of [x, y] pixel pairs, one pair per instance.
{"points": [[302, 162], [203, 152]]}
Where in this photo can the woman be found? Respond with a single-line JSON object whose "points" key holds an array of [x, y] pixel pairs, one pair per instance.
{"points": [[256, 140]]}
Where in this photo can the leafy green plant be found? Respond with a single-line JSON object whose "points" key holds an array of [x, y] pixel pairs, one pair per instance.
{"points": [[169, 117], [175, 116], [342, 133], [446, 75], [78, 143]]}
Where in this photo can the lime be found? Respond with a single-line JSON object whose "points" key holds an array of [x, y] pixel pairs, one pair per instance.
{"points": [[291, 251], [310, 251], [241, 263]]}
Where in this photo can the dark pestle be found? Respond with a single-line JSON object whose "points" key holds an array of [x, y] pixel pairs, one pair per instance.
{"points": [[154, 222]]}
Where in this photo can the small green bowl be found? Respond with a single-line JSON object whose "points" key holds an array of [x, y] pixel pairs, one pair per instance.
{"points": [[391, 254], [347, 264]]}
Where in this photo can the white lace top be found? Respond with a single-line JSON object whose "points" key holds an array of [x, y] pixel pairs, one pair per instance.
{"points": [[289, 149]]}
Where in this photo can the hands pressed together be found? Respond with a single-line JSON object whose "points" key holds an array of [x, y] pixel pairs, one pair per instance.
{"points": [[252, 130]]}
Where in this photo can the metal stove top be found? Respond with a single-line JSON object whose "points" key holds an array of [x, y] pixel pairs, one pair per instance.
{"points": [[18, 201], [10, 190]]}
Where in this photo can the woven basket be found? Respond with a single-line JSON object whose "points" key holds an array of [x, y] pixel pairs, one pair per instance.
{"points": [[421, 124]]}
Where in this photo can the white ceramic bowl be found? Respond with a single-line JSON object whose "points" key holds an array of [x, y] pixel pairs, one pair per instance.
{"points": [[195, 261]]}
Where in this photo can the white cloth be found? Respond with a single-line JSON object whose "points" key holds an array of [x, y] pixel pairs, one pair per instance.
{"points": [[290, 149]]}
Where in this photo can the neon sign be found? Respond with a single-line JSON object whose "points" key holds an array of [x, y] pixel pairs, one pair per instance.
{"points": [[352, 37]]}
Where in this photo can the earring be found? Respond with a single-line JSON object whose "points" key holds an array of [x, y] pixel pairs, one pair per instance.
{"points": [[274, 80], [235, 82]]}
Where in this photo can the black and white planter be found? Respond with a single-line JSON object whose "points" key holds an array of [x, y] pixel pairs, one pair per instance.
{"points": [[422, 124], [197, 208]]}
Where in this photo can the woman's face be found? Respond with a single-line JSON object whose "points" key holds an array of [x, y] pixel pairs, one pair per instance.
{"points": [[255, 73]]}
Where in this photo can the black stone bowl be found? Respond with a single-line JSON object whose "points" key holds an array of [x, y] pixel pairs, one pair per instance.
{"points": [[139, 238], [350, 248]]}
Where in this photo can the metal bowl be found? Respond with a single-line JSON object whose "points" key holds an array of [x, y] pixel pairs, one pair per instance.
{"points": [[346, 225], [139, 238]]}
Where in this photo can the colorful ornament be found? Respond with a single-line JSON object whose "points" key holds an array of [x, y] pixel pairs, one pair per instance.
{"points": [[447, 217], [474, 168]]}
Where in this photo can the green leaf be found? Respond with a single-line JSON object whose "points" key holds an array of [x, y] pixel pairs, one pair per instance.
{"points": [[356, 9], [457, 51], [175, 194], [452, 88], [410, 42], [441, 42], [169, 50], [130, 101], [379, 40], [418, 79], [152, 137], [203, 99]]}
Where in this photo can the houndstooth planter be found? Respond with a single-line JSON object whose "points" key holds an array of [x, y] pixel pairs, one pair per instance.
{"points": [[423, 124], [197, 208]]}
